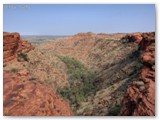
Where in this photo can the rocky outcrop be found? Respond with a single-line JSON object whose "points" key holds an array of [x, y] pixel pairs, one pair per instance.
{"points": [[139, 99], [12, 44], [24, 46], [135, 37], [26, 97]]}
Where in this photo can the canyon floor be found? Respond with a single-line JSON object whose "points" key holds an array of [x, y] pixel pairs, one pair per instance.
{"points": [[84, 74]]}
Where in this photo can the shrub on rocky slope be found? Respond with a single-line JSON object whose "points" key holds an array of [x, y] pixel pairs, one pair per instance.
{"points": [[80, 80]]}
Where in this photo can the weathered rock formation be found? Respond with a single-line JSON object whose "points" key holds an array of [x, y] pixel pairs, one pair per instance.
{"points": [[12, 44], [25, 97], [135, 37], [139, 99]]}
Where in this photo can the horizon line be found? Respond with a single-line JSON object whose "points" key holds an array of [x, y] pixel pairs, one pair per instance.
{"points": [[81, 32]]}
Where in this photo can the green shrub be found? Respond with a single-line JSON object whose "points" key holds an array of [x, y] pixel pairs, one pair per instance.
{"points": [[81, 82], [15, 70], [114, 111], [137, 46], [23, 56], [4, 65], [32, 78]]}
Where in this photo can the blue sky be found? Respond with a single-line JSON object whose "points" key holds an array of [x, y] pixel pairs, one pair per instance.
{"points": [[44, 19]]}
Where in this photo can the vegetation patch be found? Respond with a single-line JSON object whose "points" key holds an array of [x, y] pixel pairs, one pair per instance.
{"points": [[32, 78], [114, 111], [81, 82], [23, 56], [14, 70], [4, 65]]}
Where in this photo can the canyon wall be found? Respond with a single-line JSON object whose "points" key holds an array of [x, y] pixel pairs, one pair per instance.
{"points": [[12, 44], [139, 99]]}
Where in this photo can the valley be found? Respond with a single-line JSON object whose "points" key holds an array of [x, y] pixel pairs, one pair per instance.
{"points": [[85, 74]]}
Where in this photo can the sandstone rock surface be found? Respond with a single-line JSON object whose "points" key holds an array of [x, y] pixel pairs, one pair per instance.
{"points": [[12, 44], [139, 99], [24, 97]]}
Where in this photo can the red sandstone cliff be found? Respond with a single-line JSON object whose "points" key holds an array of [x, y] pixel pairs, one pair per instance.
{"points": [[12, 44], [139, 99]]}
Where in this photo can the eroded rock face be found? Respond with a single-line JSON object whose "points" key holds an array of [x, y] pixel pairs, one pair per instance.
{"points": [[139, 99], [24, 97], [12, 44]]}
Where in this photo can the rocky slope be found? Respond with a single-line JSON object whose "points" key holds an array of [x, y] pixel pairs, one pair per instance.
{"points": [[12, 44], [23, 97], [24, 93], [139, 99]]}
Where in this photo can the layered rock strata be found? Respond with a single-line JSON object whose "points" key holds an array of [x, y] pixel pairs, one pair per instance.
{"points": [[12, 44], [139, 99]]}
